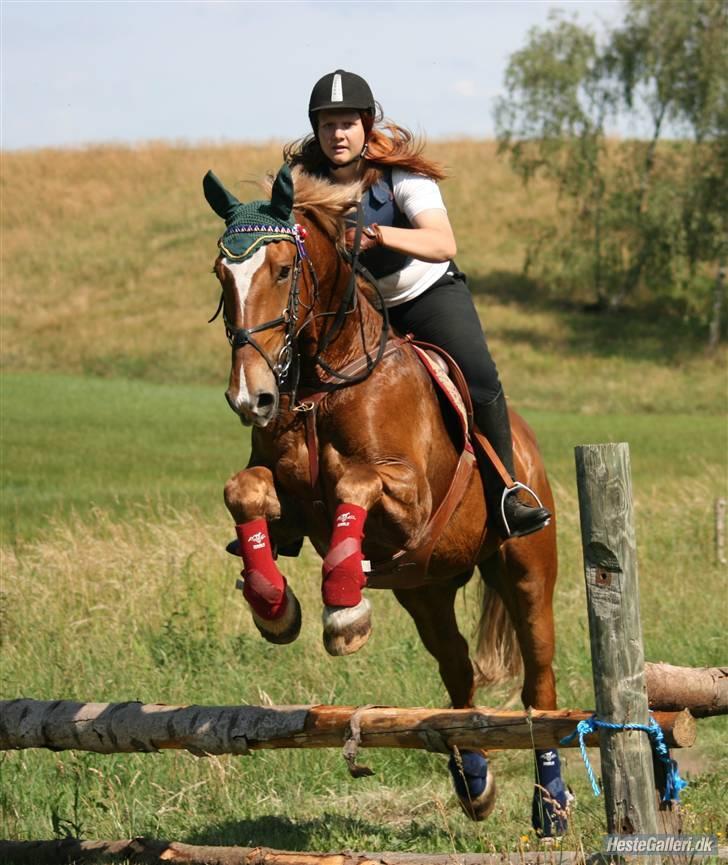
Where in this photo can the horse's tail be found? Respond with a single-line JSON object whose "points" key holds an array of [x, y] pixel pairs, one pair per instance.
{"points": [[497, 655]]}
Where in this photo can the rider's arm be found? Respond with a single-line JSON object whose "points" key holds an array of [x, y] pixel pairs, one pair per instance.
{"points": [[430, 239]]}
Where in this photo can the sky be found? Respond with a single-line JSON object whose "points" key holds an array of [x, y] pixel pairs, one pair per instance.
{"points": [[77, 72]]}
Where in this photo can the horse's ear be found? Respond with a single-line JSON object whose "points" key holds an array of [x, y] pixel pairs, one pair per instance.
{"points": [[281, 200], [220, 200]]}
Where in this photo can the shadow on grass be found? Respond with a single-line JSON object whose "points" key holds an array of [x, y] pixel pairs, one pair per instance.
{"points": [[330, 830], [653, 331]]}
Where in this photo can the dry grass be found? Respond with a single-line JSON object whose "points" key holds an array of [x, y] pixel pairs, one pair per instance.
{"points": [[104, 247], [144, 610]]}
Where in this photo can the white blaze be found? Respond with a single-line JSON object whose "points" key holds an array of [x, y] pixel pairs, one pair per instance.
{"points": [[243, 273]]}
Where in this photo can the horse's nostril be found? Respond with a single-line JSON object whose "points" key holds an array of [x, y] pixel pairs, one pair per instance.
{"points": [[265, 400]]}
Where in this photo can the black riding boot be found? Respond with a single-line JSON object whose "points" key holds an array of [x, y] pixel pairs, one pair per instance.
{"points": [[514, 517]]}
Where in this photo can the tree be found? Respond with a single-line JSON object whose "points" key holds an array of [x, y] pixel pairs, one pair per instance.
{"points": [[642, 214]]}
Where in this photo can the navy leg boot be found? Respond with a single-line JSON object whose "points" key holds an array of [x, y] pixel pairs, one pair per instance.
{"points": [[474, 784], [550, 796]]}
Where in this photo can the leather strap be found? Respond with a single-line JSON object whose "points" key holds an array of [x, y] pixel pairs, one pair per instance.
{"points": [[495, 460], [408, 568], [328, 383]]}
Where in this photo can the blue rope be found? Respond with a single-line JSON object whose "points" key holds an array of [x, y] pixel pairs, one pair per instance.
{"points": [[673, 782]]}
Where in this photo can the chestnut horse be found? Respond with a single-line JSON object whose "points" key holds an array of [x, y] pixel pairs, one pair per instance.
{"points": [[348, 431]]}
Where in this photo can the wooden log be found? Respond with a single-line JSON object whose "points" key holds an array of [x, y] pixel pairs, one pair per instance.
{"points": [[612, 588], [148, 851], [109, 728], [702, 690]]}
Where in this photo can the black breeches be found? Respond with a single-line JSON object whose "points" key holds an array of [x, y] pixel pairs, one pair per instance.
{"points": [[445, 315]]}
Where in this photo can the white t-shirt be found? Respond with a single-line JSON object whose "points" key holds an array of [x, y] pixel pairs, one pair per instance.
{"points": [[413, 194]]}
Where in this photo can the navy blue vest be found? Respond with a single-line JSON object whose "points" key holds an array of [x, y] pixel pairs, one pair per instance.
{"points": [[380, 207]]}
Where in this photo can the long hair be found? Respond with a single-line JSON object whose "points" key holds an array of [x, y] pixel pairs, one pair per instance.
{"points": [[387, 145]]}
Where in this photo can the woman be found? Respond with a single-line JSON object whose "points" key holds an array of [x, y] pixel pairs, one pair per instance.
{"points": [[408, 245]]}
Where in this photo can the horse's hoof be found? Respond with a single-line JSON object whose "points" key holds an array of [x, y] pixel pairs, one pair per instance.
{"points": [[346, 629], [474, 783], [286, 627]]}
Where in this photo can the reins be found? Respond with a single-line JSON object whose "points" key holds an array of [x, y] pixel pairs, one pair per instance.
{"points": [[349, 299]]}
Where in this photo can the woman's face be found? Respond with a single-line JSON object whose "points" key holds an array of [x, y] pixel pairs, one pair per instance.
{"points": [[341, 135]]}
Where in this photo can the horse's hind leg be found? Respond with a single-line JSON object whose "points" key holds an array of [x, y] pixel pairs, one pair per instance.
{"points": [[523, 574], [251, 498], [433, 611]]}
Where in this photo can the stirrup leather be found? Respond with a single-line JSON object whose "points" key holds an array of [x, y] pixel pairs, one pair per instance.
{"points": [[517, 485]]}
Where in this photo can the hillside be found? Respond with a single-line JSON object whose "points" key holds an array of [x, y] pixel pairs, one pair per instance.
{"points": [[106, 256]]}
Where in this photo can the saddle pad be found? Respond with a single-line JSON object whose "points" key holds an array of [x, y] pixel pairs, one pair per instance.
{"points": [[437, 371]]}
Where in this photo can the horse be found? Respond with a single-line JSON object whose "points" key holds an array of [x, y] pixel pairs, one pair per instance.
{"points": [[351, 448]]}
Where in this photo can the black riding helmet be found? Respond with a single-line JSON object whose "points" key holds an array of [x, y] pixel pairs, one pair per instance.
{"points": [[340, 89]]}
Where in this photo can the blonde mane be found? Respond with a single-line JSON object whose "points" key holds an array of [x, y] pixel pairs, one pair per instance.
{"points": [[324, 202]]}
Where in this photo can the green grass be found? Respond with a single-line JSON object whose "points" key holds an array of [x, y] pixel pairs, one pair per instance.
{"points": [[74, 444]]}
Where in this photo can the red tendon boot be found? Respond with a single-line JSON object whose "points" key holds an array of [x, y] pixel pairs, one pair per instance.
{"points": [[265, 585], [276, 611], [343, 577], [347, 615]]}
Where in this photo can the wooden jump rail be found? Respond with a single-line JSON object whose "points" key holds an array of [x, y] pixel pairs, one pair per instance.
{"points": [[108, 728], [148, 851]]}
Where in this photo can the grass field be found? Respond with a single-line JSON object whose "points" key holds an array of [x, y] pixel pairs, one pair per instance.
{"points": [[116, 441]]}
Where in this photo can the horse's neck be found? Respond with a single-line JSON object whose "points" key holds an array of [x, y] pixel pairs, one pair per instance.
{"points": [[361, 329]]}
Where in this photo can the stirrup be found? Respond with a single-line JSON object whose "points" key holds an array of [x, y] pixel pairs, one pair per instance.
{"points": [[517, 485]]}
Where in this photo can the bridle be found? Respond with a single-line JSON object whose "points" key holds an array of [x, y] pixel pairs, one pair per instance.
{"points": [[285, 373], [238, 337]]}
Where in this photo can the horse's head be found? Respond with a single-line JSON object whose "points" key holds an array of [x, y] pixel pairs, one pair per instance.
{"points": [[260, 268]]}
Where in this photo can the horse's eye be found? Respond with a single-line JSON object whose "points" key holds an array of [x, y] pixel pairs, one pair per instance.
{"points": [[284, 272]]}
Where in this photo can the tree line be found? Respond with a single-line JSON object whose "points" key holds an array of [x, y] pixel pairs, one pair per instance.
{"points": [[643, 216]]}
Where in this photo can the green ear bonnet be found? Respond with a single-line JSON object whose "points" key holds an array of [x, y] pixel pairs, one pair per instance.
{"points": [[250, 226]]}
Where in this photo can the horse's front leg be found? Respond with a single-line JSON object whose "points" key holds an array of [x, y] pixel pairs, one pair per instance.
{"points": [[251, 498], [391, 490]]}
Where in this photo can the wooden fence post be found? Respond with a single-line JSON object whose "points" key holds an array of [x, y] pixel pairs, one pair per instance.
{"points": [[610, 570]]}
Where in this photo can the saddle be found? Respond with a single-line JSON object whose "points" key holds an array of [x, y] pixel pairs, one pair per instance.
{"points": [[409, 568]]}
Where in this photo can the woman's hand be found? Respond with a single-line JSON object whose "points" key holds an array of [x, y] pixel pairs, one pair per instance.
{"points": [[371, 236], [430, 239]]}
